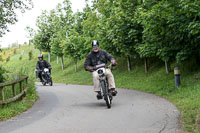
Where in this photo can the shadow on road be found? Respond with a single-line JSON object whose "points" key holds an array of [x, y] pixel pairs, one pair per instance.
{"points": [[92, 105]]}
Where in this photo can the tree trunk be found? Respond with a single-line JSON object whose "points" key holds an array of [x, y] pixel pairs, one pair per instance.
{"points": [[169, 67], [40, 52], [129, 63], [197, 57], [57, 59], [49, 57], [166, 67], [145, 65], [75, 63], [62, 63]]}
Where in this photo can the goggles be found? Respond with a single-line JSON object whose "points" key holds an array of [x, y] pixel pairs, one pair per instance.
{"points": [[95, 46]]}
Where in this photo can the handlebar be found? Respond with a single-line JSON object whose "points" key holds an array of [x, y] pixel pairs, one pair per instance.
{"points": [[40, 70], [101, 66]]}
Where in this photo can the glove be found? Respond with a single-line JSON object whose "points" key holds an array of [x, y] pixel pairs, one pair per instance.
{"points": [[113, 62], [89, 68]]}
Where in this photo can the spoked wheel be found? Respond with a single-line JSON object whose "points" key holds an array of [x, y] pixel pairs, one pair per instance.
{"points": [[51, 82], [106, 94], [108, 101], [44, 83]]}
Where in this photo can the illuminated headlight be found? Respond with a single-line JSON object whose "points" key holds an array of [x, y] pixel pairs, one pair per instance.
{"points": [[46, 70]]}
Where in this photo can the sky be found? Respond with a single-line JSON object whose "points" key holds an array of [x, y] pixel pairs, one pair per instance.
{"points": [[18, 34]]}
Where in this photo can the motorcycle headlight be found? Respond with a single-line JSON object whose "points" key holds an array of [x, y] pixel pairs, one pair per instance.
{"points": [[100, 72]]}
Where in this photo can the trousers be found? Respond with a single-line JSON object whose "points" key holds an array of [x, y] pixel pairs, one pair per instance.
{"points": [[110, 77]]}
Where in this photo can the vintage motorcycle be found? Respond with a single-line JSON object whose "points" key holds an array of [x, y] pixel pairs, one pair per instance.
{"points": [[106, 93], [46, 77]]}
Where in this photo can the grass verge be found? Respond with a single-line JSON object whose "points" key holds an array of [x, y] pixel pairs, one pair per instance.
{"points": [[17, 66], [15, 108]]}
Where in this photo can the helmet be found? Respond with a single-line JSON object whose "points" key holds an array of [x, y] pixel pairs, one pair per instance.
{"points": [[40, 56], [95, 43]]}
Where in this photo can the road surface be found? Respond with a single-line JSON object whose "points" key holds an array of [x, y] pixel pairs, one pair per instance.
{"points": [[63, 108]]}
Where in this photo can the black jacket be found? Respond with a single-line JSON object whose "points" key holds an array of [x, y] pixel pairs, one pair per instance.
{"points": [[100, 57], [42, 64]]}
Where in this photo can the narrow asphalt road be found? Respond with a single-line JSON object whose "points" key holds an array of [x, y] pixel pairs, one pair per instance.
{"points": [[74, 109]]}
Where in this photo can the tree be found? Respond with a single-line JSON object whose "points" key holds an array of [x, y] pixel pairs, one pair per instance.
{"points": [[118, 28], [58, 35], [73, 45], [167, 32], [31, 34], [157, 36], [8, 9], [62, 23], [44, 33]]}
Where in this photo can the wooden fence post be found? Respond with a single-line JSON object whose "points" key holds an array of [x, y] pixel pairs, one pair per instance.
{"points": [[20, 86], [26, 80], [14, 90], [2, 95], [26, 86]]}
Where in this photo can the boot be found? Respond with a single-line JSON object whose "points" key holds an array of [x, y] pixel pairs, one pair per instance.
{"points": [[113, 91], [99, 96]]}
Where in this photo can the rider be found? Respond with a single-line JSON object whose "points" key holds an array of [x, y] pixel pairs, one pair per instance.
{"points": [[41, 64], [96, 57]]}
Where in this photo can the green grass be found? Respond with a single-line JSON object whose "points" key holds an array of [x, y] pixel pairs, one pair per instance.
{"points": [[156, 81], [15, 108], [14, 66]]}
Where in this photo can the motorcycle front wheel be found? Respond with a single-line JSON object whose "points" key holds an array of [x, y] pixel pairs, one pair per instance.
{"points": [[44, 83], [51, 82], [105, 94]]}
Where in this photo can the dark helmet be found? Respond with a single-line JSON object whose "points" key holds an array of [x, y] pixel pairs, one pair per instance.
{"points": [[95, 43], [40, 56]]}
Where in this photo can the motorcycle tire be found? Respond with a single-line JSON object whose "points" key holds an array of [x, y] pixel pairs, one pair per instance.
{"points": [[51, 83], [44, 83], [105, 94]]}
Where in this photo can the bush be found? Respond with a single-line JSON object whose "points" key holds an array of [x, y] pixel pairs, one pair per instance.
{"points": [[8, 59], [30, 54], [2, 71], [15, 51], [20, 58], [1, 59]]}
